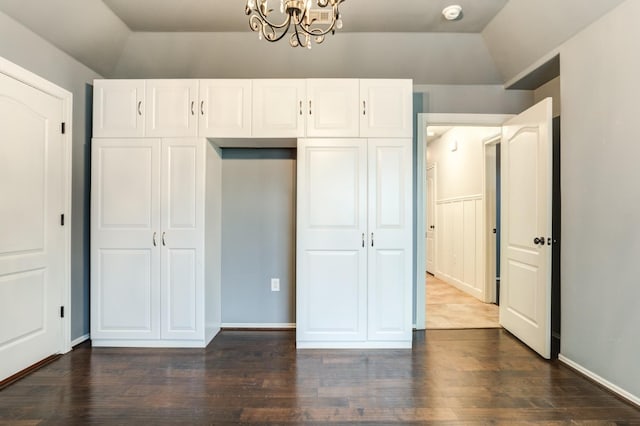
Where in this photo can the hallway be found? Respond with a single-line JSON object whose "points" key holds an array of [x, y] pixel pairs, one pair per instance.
{"points": [[449, 308]]}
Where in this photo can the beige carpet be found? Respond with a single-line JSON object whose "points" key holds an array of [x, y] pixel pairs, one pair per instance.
{"points": [[450, 308]]}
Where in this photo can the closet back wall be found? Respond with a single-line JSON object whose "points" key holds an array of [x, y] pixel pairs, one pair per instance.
{"points": [[258, 236]]}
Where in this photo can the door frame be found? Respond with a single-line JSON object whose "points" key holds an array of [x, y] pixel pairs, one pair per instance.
{"points": [[425, 120], [27, 77], [489, 293], [433, 166]]}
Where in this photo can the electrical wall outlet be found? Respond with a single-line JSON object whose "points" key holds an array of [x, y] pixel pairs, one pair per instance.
{"points": [[275, 284]]}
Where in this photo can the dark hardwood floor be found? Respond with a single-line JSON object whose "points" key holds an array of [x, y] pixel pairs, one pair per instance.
{"points": [[450, 377]]}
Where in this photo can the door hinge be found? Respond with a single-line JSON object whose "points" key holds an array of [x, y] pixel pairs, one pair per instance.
{"points": [[61, 311], [62, 219], [63, 128]]}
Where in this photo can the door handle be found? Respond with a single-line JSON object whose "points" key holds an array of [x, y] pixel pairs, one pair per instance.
{"points": [[155, 243], [364, 107], [163, 242], [193, 111], [363, 239], [300, 107], [309, 107], [372, 239], [139, 107], [202, 107], [539, 241]]}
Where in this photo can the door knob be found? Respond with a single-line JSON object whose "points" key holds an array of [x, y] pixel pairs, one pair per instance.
{"points": [[538, 241]]}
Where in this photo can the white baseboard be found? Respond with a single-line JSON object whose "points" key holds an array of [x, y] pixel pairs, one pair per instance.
{"points": [[600, 380], [258, 325], [80, 339]]}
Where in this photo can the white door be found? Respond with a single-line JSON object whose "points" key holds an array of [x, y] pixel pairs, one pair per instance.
{"points": [[278, 108], [171, 108], [118, 108], [431, 219], [386, 108], [31, 236], [332, 108], [525, 290], [182, 239], [332, 240], [125, 242], [390, 240], [225, 108]]}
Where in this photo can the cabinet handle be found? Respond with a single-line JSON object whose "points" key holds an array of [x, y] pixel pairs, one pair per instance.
{"points": [[202, 107], [163, 242], [309, 107], [139, 107], [193, 104], [372, 239], [155, 244], [363, 239], [364, 107], [300, 107]]}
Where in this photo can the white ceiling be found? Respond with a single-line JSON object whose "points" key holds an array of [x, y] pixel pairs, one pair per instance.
{"points": [[494, 41], [358, 15]]}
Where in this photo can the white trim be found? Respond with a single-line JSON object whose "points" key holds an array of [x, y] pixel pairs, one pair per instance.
{"points": [[27, 77], [421, 228], [81, 339], [474, 197], [284, 325], [354, 345], [600, 380], [119, 343], [489, 120]]}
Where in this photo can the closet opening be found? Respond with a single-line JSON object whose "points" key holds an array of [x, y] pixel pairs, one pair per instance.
{"points": [[258, 237]]}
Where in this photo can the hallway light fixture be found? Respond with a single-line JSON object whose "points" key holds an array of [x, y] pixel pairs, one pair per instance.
{"points": [[310, 24]]}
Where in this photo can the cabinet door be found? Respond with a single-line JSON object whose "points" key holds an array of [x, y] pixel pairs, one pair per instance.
{"points": [[390, 240], [182, 239], [225, 108], [278, 108], [386, 108], [125, 255], [332, 108], [331, 247], [118, 108], [171, 108]]}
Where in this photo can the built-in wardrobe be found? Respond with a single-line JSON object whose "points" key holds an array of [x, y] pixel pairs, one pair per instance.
{"points": [[156, 203]]}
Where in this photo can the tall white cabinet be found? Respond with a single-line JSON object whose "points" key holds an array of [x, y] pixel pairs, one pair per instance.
{"points": [[148, 243], [354, 245]]}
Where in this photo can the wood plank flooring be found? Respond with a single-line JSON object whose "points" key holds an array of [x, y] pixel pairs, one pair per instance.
{"points": [[450, 377], [449, 308]]}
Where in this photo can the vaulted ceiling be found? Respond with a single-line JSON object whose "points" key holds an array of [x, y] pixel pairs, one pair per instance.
{"points": [[495, 40]]}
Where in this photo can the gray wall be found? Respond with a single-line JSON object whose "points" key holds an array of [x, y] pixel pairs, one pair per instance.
{"points": [[22, 47], [601, 198], [258, 235]]}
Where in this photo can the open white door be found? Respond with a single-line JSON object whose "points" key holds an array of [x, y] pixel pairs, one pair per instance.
{"points": [[431, 219], [525, 290]]}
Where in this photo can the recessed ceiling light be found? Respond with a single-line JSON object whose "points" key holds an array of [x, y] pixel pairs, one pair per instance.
{"points": [[453, 12]]}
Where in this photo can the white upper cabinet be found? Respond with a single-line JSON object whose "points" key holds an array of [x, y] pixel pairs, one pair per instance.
{"points": [[171, 108], [332, 108], [278, 108], [386, 108], [225, 108], [118, 108]]}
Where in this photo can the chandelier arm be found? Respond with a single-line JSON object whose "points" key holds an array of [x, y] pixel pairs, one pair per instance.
{"points": [[265, 19], [281, 36]]}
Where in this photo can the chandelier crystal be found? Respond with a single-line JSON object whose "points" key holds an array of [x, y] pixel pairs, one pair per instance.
{"points": [[310, 24]]}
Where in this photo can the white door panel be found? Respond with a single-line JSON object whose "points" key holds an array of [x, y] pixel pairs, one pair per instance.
{"points": [[278, 108], [182, 238], [332, 108], [31, 236], [118, 108], [125, 242], [332, 223], [525, 290], [171, 108], [386, 108], [225, 108]]}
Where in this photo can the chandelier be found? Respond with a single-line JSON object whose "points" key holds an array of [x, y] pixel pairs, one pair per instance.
{"points": [[309, 24]]}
